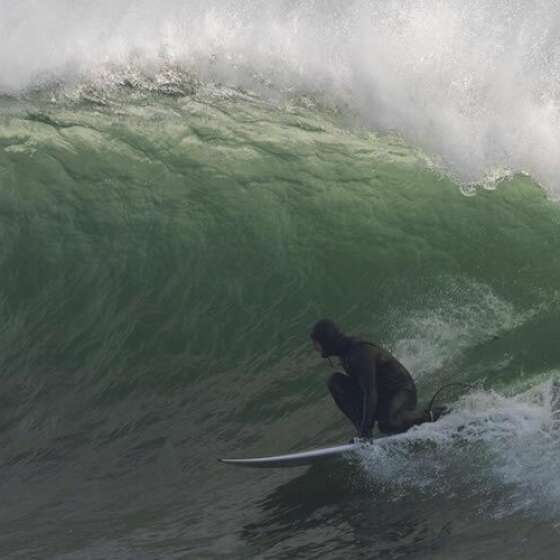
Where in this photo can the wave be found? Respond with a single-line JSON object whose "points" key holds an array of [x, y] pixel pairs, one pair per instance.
{"points": [[168, 241]]}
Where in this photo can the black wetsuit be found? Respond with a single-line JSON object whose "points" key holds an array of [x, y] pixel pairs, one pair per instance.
{"points": [[375, 387]]}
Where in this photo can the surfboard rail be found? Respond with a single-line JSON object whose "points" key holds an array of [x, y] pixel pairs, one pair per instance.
{"points": [[298, 459]]}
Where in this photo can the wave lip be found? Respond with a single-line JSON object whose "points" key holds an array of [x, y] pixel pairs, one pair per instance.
{"points": [[475, 87]]}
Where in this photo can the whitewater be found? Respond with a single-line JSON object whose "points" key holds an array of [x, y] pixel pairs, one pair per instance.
{"points": [[186, 188]]}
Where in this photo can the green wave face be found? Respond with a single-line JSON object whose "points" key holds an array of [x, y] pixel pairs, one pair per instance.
{"points": [[163, 258], [197, 234]]}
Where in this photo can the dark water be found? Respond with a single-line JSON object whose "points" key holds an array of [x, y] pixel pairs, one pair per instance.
{"points": [[167, 241]]}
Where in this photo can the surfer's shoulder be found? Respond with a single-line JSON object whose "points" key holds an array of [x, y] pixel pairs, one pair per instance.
{"points": [[361, 348]]}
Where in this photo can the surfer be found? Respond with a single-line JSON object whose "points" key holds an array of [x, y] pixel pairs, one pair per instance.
{"points": [[375, 385]]}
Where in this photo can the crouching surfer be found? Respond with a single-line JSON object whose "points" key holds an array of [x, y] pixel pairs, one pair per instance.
{"points": [[375, 386]]}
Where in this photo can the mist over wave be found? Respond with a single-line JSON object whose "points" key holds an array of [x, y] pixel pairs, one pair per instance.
{"points": [[476, 85]]}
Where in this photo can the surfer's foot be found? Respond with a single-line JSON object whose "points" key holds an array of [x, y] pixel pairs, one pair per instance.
{"points": [[358, 439], [437, 412]]}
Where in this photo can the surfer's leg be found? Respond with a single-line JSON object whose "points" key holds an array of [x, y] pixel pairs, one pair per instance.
{"points": [[347, 396], [402, 413]]}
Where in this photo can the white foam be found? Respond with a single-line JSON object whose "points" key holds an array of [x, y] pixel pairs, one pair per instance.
{"points": [[491, 443], [475, 83], [453, 318]]}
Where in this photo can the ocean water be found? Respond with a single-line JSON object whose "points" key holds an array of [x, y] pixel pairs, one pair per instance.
{"points": [[187, 186]]}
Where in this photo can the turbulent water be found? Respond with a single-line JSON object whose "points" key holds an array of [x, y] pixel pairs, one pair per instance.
{"points": [[186, 187]]}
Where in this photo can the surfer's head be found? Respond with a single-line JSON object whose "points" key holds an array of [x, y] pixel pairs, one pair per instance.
{"points": [[327, 338]]}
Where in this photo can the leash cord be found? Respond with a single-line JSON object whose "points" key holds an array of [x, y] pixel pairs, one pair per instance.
{"points": [[456, 384]]}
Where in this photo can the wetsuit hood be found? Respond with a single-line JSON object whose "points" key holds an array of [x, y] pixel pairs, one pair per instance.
{"points": [[333, 342]]}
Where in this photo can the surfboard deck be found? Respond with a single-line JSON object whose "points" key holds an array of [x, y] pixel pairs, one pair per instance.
{"points": [[297, 459]]}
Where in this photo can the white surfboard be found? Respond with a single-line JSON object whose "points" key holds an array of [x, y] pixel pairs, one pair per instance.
{"points": [[298, 459], [307, 457]]}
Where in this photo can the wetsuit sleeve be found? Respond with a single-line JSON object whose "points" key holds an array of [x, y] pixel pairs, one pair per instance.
{"points": [[364, 371]]}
